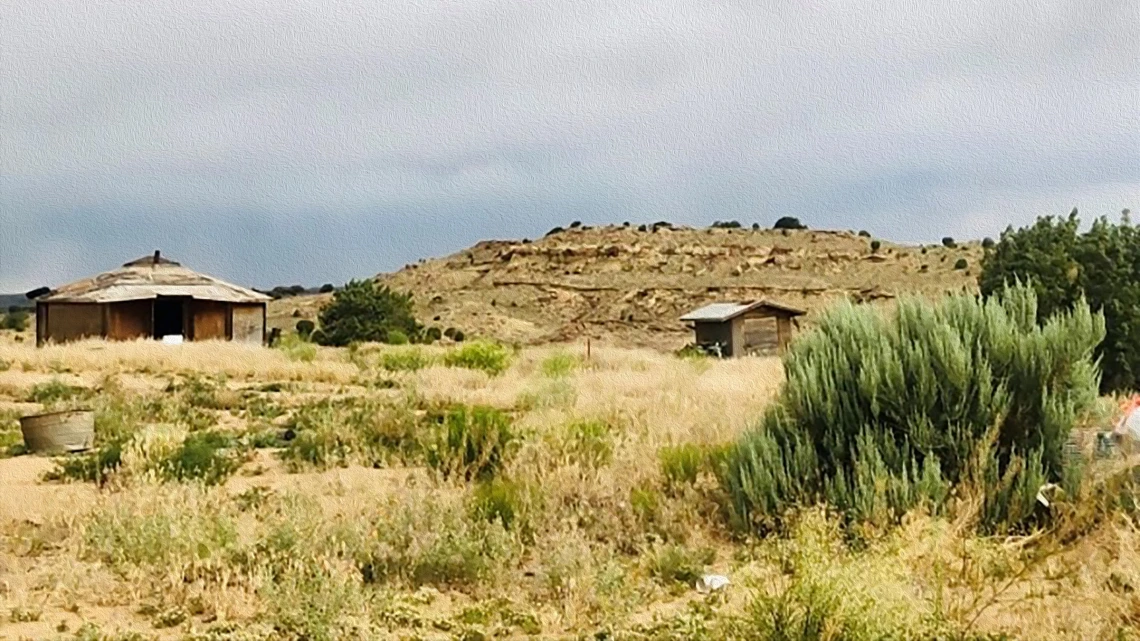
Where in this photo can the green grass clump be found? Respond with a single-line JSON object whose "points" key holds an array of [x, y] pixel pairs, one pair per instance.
{"points": [[681, 464], [93, 466], [56, 392], [471, 443], [404, 360], [484, 356], [297, 348], [560, 365], [365, 431], [435, 543], [589, 443], [678, 564], [503, 501], [210, 457]]}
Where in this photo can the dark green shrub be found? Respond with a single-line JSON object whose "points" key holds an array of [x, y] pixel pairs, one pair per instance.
{"points": [[458, 336], [94, 466], [726, 224], [1101, 265], [642, 228], [589, 443], [678, 564], [56, 391], [949, 242], [504, 501], [961, 263], [556, 230], [878, 414], [576, 224], [469, 442], [755, 226], [988, 243], [365, 312], [396, 337], [210, 457], [327, 288], [789, 222], [305, 328], [875, 246], [864, 233], [432, 334], [488, 357]]}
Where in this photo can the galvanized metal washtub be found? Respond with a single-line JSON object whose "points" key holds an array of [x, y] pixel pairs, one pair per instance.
{"points": [[54, 432]]}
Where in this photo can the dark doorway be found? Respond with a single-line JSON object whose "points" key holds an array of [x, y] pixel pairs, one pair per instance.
{"points": [[168, 317]]}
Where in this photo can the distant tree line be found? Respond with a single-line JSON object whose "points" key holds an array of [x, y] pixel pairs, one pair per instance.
{"points": [[288, 291]]}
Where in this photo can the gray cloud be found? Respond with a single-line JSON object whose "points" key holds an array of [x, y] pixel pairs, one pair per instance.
{"points": [[316, 141]]}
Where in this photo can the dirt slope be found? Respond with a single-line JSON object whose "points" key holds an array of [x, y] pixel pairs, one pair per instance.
{"points": [[622, 284]]}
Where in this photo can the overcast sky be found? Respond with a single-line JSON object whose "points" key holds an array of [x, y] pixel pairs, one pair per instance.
{"points": [[308, 142]]}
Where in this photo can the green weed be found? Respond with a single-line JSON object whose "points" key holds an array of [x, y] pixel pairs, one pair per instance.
{"points": [[484, 356], [470, 442], [559, 365], [409, 359]]}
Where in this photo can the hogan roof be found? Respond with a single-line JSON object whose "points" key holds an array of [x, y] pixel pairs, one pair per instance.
{"points": [[720, 312], [145, 278]]}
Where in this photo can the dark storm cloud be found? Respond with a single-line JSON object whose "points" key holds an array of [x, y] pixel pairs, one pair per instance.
{"points": [[303, 142]]}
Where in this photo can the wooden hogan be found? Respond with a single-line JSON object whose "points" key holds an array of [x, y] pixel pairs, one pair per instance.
{"points": [[726, 325], [151, 297]]}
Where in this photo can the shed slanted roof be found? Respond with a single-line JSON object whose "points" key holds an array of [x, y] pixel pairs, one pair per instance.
{"points": [[143, 279], [721, 312]]}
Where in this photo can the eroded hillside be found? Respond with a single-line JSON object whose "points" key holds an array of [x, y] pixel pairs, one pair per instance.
{"points": [[626, 285]]}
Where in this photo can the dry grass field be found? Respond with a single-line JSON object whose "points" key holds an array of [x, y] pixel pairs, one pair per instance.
{"points": [[451, 493]]}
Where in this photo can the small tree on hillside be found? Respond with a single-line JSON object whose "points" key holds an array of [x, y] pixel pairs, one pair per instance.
{"points": [[327, 288], [364, 311], [789, 222]]}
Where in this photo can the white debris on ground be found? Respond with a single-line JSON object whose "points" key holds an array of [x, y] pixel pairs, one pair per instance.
{"points": [[712, 583]]}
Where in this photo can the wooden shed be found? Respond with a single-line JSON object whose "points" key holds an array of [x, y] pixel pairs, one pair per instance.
{"points": [[152, 297], [727, 325]]}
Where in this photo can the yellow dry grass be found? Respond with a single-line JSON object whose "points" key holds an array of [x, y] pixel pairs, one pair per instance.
{"points": [[272, 550]]}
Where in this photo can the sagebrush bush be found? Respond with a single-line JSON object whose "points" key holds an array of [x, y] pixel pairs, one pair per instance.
{"points": [[488, 357], [878, 414]]}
